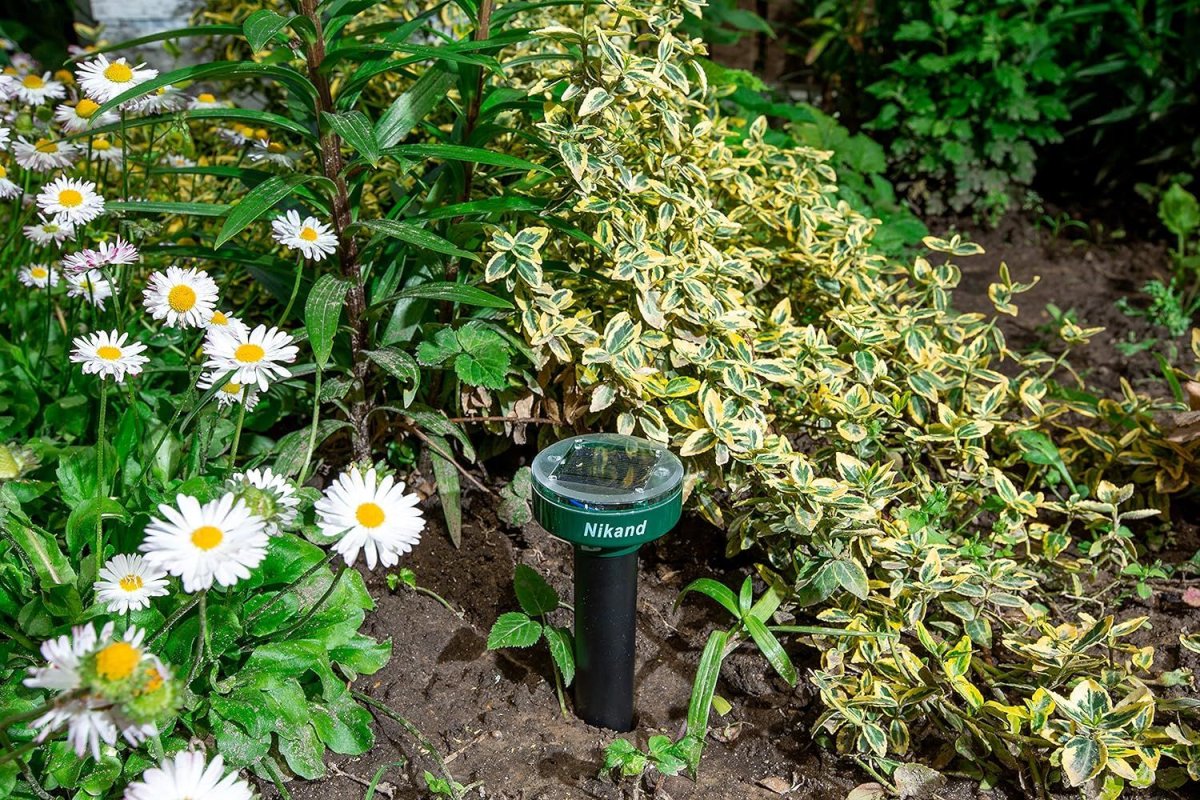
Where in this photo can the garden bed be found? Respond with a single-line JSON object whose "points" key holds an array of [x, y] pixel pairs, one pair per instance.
{"points": [[493, 714]]}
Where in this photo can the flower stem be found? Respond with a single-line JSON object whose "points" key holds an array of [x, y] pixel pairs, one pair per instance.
{"points": [[312, 433], [101, 487], [237, 433], [175, 617], [414, 732]]}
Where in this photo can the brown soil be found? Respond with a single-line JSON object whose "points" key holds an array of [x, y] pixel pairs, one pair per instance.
{"points": [[495, 716]]}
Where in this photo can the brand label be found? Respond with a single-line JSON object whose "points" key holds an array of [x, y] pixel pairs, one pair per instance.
{"points": [[605, 530]]}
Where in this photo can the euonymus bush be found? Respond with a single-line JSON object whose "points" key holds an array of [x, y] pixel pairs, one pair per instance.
{"points": [[499, 215]]}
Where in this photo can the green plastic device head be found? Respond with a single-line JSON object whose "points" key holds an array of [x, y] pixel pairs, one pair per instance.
{"points": [[607, 493]]}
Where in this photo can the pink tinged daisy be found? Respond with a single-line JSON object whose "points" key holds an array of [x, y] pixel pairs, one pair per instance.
{"points": [[37, 89], [371, 516], [183, 298], [109, 355], [311, 237], [91, 286], [102, 80], [218, 542], [82, 115], [49, 232], [8, 189], [127, 583], [256, 357], [71, 200], [44, 155], [38, 275], [231, 392], [186, 776]]}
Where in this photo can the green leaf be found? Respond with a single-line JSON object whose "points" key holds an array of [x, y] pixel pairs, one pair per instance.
{"points": [[81, 525], [485, 358], [850, 576], [1179, 211], [1082, 759], [595, 100], [322, 311], [302, 750], [415, 235], [1038, 448], [162, 207], [536, 596], [449, 488], [514, 629], [43, 553], [397, 363], [343, 725], [258, 201], [413, 106], [705, 684], [454, 292], [771, 648], [561, 650], [714, 590], [261, 26], [458, 152], [355, 129]]}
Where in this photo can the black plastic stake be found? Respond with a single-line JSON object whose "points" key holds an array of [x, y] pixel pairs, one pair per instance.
{"points": [[605, 625]]}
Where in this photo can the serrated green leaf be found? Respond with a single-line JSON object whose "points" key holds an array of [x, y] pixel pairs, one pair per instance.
{"points": [[562, 651], [533, 593], [514, 629]]}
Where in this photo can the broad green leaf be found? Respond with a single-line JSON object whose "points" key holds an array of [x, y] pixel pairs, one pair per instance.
{"points": [[558, 640], [1179, 211], [302, 750], [457, 152], [322, 311], [850, 576], [484, 360], [343, 725], [81, 525], [42, 552], [415, 235], [514, 629], [258, 201], [261, 26], [355, 129], [455, 293], [397, 363], [536, 596], [407, 110]]}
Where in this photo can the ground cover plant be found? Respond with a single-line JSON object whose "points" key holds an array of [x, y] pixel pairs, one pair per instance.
{"points": [[247, 300]]}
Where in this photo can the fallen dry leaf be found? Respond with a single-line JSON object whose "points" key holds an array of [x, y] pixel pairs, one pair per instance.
{"points": [[1191, 596], [776, 784]]}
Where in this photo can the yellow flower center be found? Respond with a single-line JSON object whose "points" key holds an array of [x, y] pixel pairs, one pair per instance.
{"points": [[181, 298], [33, 82], [249, 353], [261, 133], [369, 515], [86, 108], [64, 75], [39, 272], [118, 72], [70, 198], [101, 144], [3, 173], [207, 537], [131, 583], [117, 661], [232, 388], [218, 318], [108, 352], [206, 97], [275, 147], [45, 146], [308, 234]]}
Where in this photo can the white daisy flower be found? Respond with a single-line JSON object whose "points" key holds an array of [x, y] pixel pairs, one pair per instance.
{"points": [[267, 152], [257, 357], [8, 189], [205, 100], [236, 136], [267, 494], [107, 354], [221, 323], [230, 391], [106, 152], [44, 155], [309, 236], [92, 719], [220, 541], [48, 231], [186, 776], [70, 200], [38, 275], [164, 98], [92, 286], [82, 115], [5, 137], [102, 80], [127, 583], [370, 515], [8, 87], [176, 160], [36, 89], [184, 298]]}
